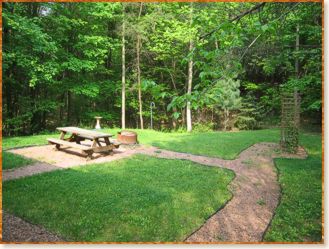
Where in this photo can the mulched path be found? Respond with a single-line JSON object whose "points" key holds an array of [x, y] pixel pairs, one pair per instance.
{"points": [[244, 218], [255, 189], [18, 230]]}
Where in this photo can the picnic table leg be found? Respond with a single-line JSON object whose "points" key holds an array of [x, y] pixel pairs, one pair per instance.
{"points": [[57, 147], [89, 155], [107, 142], [62, 135]]}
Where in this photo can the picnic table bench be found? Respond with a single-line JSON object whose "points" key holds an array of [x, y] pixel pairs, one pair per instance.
{"points": [[78, 135]]}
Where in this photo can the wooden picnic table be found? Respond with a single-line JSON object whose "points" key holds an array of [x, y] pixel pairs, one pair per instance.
{"points": [[77, 135]]}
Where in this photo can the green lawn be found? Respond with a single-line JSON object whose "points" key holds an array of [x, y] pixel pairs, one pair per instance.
{"points": [[12, 161], [298, 217], [226, 145], [14, 142], [137, 199]]}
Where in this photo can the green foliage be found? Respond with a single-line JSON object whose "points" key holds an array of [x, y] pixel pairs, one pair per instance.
{"points": [[63, 60], [250, 115], [203, 127], [137, 199], [291, 141]]}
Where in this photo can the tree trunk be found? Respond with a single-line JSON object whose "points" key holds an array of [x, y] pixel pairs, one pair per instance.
{"points": [[297, 49], [139, 83], [189, 81], [189, 90], [138, 46], [123, 91], [174, 123], [226, 118], [68, 106]]}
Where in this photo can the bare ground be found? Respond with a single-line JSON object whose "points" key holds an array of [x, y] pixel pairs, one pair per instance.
{"points": [[18, 230], [244, 218], [49, 159]]}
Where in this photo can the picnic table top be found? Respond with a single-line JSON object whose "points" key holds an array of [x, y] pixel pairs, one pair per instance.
{"points": [[84, 133]]}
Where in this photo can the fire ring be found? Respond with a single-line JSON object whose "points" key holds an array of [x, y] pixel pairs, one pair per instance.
{"points": [[127, 137]]}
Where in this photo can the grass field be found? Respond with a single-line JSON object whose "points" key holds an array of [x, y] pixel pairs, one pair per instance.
{"points": [[137, 199], [298, 216], [226, 145]]}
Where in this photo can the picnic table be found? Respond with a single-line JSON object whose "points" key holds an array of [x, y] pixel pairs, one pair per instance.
{"points": [[101, 142]]}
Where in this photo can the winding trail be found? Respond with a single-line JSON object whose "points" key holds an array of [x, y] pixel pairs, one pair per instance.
{"points": [[255, 188]]}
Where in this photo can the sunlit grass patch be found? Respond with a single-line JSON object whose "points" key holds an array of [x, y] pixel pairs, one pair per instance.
{"points": [[137, 199]]}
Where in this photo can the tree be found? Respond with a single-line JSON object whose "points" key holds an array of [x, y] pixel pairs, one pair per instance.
{"points": [[138, 47], [123, 91], [64, 63], [190, 76]]}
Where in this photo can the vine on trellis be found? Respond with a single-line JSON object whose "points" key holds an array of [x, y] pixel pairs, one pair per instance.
{"points": [[290, 120]]}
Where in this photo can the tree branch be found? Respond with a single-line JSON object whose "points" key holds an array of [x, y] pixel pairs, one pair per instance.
{"points": [[237, 18]]}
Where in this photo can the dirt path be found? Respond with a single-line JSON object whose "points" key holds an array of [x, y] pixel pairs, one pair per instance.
{"points": [[255, 189], [18, 230], [245, 218], [48, 159]]}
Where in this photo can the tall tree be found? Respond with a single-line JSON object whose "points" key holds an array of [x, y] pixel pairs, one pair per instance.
{"points": [[123, 90], [138, 53], [190, 76]]}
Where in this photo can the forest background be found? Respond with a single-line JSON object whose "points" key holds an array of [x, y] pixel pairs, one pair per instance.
{"points": [[206, 66]]}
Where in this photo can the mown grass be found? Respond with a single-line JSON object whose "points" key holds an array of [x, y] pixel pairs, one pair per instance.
{"points": [[21, 141], [12, 161], [226, 145], [138, 199], [298, 216]]}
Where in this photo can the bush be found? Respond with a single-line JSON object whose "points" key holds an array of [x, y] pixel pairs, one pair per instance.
{"points": [[203, 127]]}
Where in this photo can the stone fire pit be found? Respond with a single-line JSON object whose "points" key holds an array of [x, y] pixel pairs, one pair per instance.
{"points": [[127, 137]]}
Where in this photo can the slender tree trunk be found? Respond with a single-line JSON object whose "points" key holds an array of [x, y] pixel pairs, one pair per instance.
{"points": [[68, 106], [226, 118], [189, 91], [123, 91], [138, 46], [174, 123], [297, 49], [216, 44], [190, 79], [139, 83]]}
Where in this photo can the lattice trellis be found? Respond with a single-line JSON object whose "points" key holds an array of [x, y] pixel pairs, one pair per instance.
{"points": [[290, 120]]}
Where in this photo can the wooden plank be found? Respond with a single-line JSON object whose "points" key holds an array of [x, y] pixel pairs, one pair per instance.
{"points": [[84, 133], [107, 148], [112, 141], [68, 144]]}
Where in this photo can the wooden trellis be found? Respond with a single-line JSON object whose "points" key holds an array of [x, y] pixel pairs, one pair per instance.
{"points": [[290, 120]]}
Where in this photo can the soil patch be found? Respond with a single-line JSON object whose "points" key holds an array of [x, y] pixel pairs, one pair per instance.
{"points": [[49, 159], [18, 230]]}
